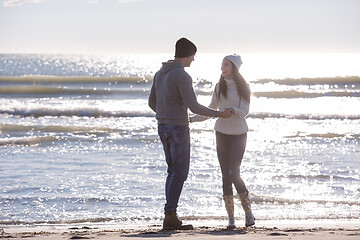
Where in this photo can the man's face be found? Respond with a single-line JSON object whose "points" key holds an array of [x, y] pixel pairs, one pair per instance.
{"points": [[189, 60]]}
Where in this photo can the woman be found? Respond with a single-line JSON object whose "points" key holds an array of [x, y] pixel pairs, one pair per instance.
{"points": [[233, 92]]}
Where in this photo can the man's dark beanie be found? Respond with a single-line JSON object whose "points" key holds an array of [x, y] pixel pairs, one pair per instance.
{"points": [[184, 48]]}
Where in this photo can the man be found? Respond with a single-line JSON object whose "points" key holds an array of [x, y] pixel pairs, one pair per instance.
{"points": [[171, 95]]}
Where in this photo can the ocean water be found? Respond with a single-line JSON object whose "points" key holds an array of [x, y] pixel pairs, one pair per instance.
{"points": [[78, 142]]}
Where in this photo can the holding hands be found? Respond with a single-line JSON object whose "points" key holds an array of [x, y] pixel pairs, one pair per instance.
{"points": [[228, 112]]}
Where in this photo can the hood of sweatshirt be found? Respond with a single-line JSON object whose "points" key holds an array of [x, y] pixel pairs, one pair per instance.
{"points": [[170, 65]]}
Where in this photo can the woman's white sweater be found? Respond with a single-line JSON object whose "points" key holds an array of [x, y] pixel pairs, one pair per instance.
{"points": [[236, 124]]}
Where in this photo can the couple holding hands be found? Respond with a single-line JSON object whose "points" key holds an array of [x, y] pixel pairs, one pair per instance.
{"points": [[171, 96]]}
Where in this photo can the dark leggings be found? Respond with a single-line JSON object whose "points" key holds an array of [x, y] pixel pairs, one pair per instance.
{"points": [[230, 151]]}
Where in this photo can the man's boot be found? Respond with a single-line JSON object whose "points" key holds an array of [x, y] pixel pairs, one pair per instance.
{"points": [[171, 221]]}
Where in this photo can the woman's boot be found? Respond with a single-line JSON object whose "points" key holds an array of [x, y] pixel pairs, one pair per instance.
{"points": [[229, 205], [245, 202]]}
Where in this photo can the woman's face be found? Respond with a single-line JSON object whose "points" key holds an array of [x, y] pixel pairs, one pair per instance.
{"points": [[226, 69]]}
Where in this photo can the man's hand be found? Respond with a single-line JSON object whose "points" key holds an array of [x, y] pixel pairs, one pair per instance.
{"points": [[226, 114]]}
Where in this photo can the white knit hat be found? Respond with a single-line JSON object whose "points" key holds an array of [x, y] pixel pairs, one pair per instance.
{"points": [[235, 59]]}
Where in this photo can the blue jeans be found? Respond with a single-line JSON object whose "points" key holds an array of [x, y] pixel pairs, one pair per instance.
{"points": [[176, 143]]}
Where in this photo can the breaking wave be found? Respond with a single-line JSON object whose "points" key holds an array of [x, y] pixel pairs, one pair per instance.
{"points": [[353, 80], [41, 90], [21, 128], [263, 115], [98, 112], [71, 79], [83, 112], [27, 140], [256, 199], [298, 94]]}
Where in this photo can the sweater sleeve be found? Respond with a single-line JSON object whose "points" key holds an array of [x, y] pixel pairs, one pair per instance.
{"points": [[243, 110], [152, 97], [189, 98], [214, 104]]}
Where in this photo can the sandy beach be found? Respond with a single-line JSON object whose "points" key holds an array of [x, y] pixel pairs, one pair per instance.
{"points": [[309, 229]]}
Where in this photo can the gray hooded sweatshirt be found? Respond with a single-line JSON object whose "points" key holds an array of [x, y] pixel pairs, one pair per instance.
{"points": [[172, 94]]}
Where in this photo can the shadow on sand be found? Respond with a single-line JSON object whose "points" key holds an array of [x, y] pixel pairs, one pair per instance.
{"points": [[197, 230]]}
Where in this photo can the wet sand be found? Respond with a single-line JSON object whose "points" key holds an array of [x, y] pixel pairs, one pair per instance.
{"points": [[301, 230]]}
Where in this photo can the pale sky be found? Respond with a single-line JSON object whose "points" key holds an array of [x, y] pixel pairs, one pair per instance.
{"points": [[153, 26]]}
